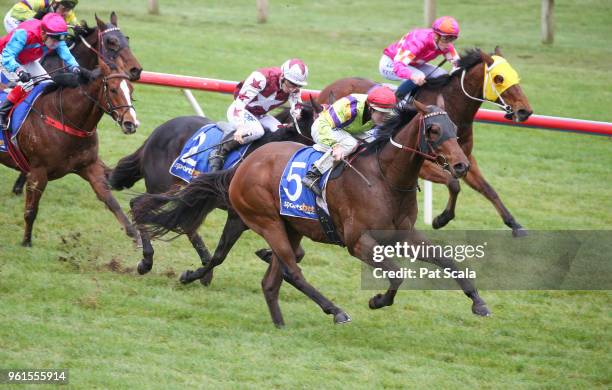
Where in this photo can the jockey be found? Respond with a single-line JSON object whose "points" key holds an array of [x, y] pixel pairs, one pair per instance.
{"points": [[22, 47], [334, 130], [29, 9], [407, 58], [264, 90]]}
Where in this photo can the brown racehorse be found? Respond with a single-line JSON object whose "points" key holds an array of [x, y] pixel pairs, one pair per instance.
{"points": [[461, 110], [52, 154], [106, 39], [391, 167]]}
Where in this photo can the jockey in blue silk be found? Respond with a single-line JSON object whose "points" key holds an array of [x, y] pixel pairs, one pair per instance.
{"points": [[23, 47]]}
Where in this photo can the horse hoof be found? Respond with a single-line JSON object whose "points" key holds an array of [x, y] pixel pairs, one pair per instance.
{"points": [[516, 233], [279, 325], [26, 244], [265, 254], [481, 310], [440, 221], [342, 318], [206, 279], [143, 267], [376, 302], [186, 277]]}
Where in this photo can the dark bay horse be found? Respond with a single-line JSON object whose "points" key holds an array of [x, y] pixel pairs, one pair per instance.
{"points": [[154, 158], [52, 153], [106, 39], [391, 167], [461, 109]]}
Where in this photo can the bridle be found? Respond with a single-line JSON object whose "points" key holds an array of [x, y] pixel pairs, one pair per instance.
{"points": [[425, 147], [102, 53], [488, 79]]}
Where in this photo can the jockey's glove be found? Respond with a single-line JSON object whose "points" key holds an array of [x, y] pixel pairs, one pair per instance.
{"points": [[76, 70], [24, 76]]}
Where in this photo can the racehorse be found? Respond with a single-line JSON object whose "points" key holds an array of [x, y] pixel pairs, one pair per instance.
{"points": [[107, 40], [59, 137], [463, 94], [392, 168], [153, 159]]}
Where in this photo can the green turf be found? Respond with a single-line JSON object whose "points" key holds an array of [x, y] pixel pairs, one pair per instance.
{"points": [[74, 301]]}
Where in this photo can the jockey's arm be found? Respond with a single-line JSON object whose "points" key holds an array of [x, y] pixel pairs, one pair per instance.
{"points": [[65, 54], [295, 102], [12, 50], [401, 61], [452, 56], [251, 87]]}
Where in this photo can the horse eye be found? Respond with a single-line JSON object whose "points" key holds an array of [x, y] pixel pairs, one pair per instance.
{"points": [[113, 90], [499, 79]]}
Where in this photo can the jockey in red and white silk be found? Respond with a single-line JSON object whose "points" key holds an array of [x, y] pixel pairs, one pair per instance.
{"points": [[264, 90], [261, 92], [407, 58]]}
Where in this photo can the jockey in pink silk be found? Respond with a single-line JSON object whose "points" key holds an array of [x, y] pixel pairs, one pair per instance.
{"points": [[20, 50], [264, 90], [407, 58]]}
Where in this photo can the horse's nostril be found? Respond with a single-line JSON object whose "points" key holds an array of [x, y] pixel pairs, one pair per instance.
{"points": [[460, 168]]}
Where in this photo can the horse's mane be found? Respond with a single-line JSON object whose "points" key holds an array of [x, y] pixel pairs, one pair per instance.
{"points": [[401, 116], [467, 60], [84, 30]]}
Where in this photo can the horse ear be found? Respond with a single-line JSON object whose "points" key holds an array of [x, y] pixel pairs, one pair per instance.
{"points": [[315, 105], [113, 18], [332, 98], [420, 106], [100, 23], [498, 51], [487, 59], [440, 101]]}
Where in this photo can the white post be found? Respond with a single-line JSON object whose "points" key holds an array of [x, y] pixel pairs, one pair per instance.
{"points": [[427, 202], [429, 12], [154, 7], [262, 11], [548, 27], [194, 103]]}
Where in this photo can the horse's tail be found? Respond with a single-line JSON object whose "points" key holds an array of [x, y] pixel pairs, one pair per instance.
{"points": [[127, 172], [182, 211]]}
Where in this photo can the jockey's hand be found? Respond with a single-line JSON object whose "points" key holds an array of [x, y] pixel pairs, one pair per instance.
{"points": [[337, 152], [418, 79], [296, 113], [240, 133], [24, 76], [76, 70]]}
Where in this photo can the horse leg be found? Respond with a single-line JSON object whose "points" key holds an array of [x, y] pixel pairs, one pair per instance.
{"points": [[265, 254], [19, 183], [475, 180], [233, 229], [146, 263], [37, 182], [284, 245], [95, 175], [479, 306], [363, 250], [433, 173]]}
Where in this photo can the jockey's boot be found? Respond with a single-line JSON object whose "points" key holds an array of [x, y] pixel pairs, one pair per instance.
{"points": [[311, 180], [5, 109], [217, 157]]}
